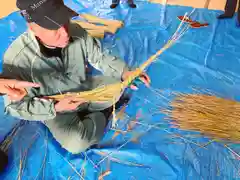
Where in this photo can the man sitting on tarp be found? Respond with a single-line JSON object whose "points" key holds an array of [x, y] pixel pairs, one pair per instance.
{"points": [[53, 52]]}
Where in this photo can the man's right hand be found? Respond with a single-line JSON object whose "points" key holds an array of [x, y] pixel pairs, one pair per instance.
{"points": [[68, 104]]}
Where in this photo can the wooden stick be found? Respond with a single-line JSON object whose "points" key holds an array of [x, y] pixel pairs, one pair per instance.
{"points": [[206, 5]]}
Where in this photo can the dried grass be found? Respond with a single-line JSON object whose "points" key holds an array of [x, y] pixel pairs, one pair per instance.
{"points": [[72, 166], [215, 117], [116, 160], [107, 172], [23, 157], [87, 26], [155, 126], [83, 170], [8, 139], [45, 158]]}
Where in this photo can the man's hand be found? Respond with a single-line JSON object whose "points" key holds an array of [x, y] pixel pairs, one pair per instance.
{"points": [[15, 89], [68, 104], [143, 77]]}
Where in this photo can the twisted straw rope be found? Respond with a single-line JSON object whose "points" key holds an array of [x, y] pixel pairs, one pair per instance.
{"points": [[108, 92]]}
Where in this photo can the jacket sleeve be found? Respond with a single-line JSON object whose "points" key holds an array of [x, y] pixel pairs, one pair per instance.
{"points": [[109, 65], [33, 109], [16, 66]]}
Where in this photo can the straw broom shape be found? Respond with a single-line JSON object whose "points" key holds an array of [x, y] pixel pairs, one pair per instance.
{"points": [[213, 116], [108, 93]]}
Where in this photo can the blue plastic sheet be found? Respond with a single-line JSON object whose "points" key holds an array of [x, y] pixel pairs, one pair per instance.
{"points": [[207, 58]]}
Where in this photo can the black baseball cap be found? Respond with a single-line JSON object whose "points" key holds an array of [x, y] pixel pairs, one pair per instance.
{"points": [[49, 14]]}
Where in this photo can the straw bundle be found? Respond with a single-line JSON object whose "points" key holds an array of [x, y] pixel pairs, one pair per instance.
{"points": [[105, 28], [100, 27], [212, 116]]}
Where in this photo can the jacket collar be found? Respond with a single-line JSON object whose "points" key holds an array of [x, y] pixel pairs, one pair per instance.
{"points": [[35, 42], [37, 45]]}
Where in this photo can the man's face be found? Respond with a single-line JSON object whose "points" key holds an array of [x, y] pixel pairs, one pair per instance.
{"points": [[53, 38]]}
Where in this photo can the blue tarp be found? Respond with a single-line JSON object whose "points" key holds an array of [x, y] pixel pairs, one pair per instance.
{"points": [[207, 58]]}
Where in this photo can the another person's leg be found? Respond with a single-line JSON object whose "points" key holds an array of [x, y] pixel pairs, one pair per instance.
{"points": [[3, 161], [114, 4], [131, 4], [230, 8], [238, 15], [76, 132]]}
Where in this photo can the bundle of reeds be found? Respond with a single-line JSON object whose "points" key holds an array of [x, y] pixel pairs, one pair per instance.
{"points": [[97, 27], [212, 116]]}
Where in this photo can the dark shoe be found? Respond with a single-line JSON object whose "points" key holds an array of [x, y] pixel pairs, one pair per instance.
{"points": [[238, 24], [94, 146], [225, 16], [113, 6], [132, 5], [238, 19], [3, 161], [122, 101]]}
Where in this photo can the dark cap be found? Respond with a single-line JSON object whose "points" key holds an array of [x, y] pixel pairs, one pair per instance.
{"points": [[49, 14]]}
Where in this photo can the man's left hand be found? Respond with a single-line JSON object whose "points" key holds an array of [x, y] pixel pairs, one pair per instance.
{"points": [[143, 77], [15, 89]]}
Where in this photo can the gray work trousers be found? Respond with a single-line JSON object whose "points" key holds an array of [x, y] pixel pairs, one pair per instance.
{"points": [[75, 131]]}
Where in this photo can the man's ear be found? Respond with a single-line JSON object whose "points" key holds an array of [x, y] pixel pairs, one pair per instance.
{"points": [[29, 25], [32, 27]]}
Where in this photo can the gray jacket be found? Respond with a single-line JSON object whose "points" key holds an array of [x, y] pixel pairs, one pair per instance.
{"points": [[24, 61]]}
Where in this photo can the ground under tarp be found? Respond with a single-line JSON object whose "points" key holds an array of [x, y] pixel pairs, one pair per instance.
{"points": [[207, 58]]}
